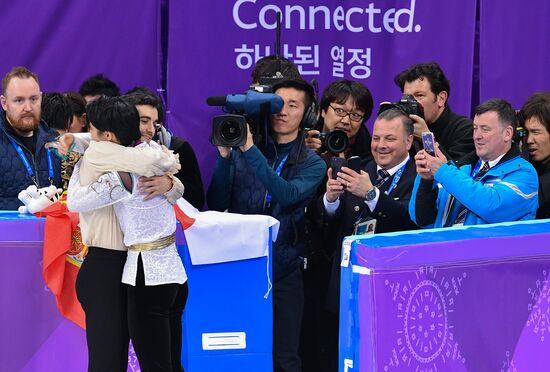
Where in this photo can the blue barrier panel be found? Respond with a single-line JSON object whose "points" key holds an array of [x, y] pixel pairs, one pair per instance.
{"points": [[458, 299]]}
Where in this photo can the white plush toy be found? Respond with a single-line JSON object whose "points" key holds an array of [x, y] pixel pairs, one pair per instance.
{"points": [[35, 199]]}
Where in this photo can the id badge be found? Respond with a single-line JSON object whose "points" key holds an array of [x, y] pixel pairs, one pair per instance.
{"points": [[365, 226]]}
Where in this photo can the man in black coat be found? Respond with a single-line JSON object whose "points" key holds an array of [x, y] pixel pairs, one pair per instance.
{"points": [[431, 88], [535, 118], [345, 105], [189, 174], [372, 201]]}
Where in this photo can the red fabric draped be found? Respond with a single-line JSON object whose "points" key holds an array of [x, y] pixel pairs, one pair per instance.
{"points": [[62, 242]]}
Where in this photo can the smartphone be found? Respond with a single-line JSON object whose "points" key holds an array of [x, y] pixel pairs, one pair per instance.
{"points": [[428, 142], [336, 164], [354, 163]]}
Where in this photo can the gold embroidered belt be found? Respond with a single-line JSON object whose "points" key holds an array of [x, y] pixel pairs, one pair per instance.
{"points": [[157, 244]]}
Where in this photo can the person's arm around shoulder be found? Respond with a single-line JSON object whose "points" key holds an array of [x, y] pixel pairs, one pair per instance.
{"points": [[142, 160], [107, 190]]}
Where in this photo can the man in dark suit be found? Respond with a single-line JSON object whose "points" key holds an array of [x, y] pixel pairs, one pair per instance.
{"points": [[382, 190], [376, 197]]}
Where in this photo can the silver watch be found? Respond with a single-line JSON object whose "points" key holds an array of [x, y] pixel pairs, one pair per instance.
{"points": [[371, 194]]}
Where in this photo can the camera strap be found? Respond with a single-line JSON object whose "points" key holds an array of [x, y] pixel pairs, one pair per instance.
{"points": [[278, 172]]}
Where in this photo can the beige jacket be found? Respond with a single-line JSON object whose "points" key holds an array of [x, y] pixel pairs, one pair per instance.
{"points": [[100, 227]]}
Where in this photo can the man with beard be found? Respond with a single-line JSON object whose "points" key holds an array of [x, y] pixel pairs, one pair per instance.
{"points": [[23, 159]]}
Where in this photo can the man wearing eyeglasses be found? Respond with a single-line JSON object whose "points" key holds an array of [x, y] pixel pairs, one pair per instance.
{"points": [[345, 105], [431, 88]]}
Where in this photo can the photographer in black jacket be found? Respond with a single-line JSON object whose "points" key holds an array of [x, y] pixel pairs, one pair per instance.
{"points": [[345, 105], [431, 88]]}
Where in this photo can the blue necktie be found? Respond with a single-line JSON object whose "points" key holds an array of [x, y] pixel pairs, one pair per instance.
{"points": [[383, 175], [462, 211]]}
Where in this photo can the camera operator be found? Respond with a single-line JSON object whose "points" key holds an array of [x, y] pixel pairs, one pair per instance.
{"points": [[345, 105], [427, 83], [277, 179], [273, 67], [535, 117]]}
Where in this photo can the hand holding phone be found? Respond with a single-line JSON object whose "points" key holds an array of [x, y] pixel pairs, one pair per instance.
{"points": [[354, 163], [428, 142], [336, 164]]}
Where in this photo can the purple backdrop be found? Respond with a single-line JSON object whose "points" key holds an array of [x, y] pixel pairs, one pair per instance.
{"points": [[214, 54], [65, 42], [514, 52]]}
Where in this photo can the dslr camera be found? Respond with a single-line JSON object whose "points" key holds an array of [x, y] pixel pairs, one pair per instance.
{"points": [[335, 141], [407, 104]]}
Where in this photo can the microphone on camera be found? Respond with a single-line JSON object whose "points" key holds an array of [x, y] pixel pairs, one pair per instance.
{"points": [[250, 103]]}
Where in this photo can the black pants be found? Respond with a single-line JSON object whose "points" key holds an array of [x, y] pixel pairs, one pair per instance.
{"points": [[103, 298], [319, 340], [154, 321], [288, 305]]}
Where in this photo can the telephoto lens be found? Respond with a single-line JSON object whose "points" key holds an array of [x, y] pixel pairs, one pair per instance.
{"points": [[335, 140]]}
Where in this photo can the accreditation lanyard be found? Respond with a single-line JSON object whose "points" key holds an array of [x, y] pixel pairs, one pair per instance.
{"points": [[278, 172], [392, 187], [395, 180], [25, 161], [476, 169]]}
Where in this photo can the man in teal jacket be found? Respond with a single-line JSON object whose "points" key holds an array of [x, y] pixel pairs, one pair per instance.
{"points": [[492, 185]]}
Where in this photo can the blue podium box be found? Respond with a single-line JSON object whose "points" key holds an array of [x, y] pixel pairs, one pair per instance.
{"points": [[456, 299], [227, 323]]}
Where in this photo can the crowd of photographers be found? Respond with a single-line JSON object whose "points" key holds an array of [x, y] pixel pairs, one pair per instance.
{"points": [[421, 166], [312, 163]]}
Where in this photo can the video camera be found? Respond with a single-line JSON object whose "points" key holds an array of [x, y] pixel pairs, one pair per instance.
{"points": [[407, 104], [231, 130]]}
